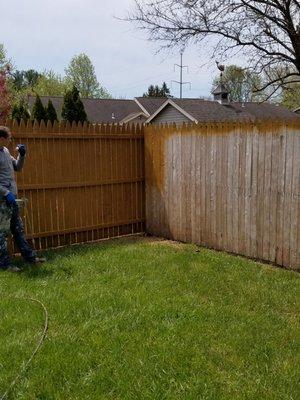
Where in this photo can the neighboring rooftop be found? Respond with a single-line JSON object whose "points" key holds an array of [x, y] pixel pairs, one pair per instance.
{"points": [[194, 110], [150, 104], [98, 110], [197, 110]]}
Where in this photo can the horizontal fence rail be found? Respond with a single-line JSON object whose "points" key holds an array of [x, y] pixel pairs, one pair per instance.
{"points": [[83, 182], [232, 187]]}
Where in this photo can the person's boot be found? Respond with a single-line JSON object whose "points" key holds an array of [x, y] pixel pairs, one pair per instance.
{"points": [[38, 260], [13, 268]]}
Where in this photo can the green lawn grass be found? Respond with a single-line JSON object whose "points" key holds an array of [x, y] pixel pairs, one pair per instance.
{"points": [[141, 319]]}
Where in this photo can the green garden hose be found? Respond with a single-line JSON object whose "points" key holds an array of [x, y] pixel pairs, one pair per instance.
{"points": [[38, 346]]}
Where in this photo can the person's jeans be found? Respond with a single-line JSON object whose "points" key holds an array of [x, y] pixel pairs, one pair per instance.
{"points": [[17, 229]]}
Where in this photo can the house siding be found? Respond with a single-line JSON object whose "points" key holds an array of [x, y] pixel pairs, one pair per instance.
{"points": [[170, 115]]}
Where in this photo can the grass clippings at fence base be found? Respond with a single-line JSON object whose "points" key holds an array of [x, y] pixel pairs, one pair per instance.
{"points": [[133, 320]]}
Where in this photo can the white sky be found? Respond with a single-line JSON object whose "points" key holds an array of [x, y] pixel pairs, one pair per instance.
{"points": [[44, 34]]}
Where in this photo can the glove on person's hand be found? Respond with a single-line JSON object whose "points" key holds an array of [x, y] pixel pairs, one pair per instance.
{"points": [[21, 149], [10, 199]]}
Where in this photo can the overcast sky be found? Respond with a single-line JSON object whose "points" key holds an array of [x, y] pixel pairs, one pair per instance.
{"points": [[44, 34]]}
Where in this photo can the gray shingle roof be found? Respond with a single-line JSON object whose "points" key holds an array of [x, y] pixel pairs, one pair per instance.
{"points": [[151, 104], [98, 110], [208, 111]]}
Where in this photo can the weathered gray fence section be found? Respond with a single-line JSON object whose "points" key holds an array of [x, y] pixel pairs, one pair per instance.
{"points": [[233, 187]]}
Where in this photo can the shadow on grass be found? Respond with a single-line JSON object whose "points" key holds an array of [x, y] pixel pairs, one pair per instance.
{"points": [[56, 258]]}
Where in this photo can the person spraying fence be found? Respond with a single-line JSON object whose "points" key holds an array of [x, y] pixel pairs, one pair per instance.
{"points": [[10, 219]]}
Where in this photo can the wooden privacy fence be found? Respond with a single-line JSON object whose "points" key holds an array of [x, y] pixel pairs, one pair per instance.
{"points": [[83, 183], [233, 187]]}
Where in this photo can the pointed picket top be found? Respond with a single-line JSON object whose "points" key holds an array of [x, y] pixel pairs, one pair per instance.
{"points": [[28, 127], [62, 127], [93, 129], [43, 128], [124, 128], [113, 128], [55, 127], [22, 126], [85, 127], [73, 127], [49, 126], [136, 129], [104, 128], [79, 127], [35, 126], [107, 129], [13, 125], [67, 127], [98, 129]]}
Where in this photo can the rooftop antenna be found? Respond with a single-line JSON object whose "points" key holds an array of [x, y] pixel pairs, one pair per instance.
{"points": [[180, 82]]}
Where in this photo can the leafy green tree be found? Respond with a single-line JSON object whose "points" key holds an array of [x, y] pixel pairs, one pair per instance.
{"points": [[5, 98], [31, 77], [38, 110], [73, 108], [240, 83], [51, 112], [291, 96], [156, 91], [2, 56], [25, 79], [5, 93], [5, 63], [51, 84], [18, 80], [20, 111], [81, 73]]}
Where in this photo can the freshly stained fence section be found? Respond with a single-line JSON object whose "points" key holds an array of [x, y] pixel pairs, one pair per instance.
{"points": [[233, 187], [83, 183]]}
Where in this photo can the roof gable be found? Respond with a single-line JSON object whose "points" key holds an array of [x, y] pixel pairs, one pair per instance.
{"points": [[150, 104], [172, 103], [198, 111]]}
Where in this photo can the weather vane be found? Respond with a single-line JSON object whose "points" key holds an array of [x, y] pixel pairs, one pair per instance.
{"points": [[221, 67]]}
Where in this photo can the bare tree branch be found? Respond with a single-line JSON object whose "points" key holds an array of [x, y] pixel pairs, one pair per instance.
{"points": [[266, 31]]}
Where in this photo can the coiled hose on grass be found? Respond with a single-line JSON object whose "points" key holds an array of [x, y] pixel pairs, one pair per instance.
{"points": [[38, 346]]}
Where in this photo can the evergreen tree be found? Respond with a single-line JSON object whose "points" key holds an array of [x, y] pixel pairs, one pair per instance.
{"points": [[165, 91], [38, 110], [73, 108], [20, 111], [51, 112], [156, 91]]}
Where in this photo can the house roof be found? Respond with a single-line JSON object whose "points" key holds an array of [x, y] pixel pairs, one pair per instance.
{"points": [[150, 104], [132, 116], [198, 111], [260, 111], [98, 110]]}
